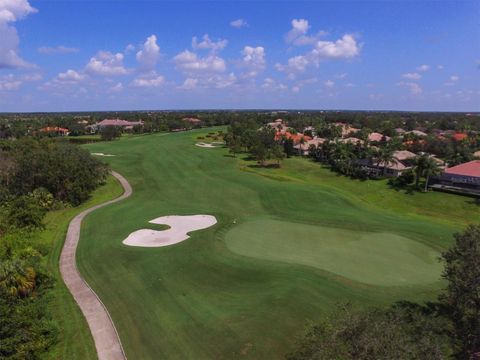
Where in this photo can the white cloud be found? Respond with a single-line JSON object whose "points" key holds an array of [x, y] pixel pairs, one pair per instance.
{"points": [[413, 87], [117, 87], [273, 85], [151, 79], [189, 62], [14, 10], [253, 60], [341, 76], [207, 43], [129, 48], [412, 76], [423, 67], [189, 84], [440, 67], [344, 48], [239, 23], [298, 33], [106, 64], [71, 76], [57, 50], [10, 12], [329, 83], [454, 78], [295, 64], [9, 83], [148, 56]]}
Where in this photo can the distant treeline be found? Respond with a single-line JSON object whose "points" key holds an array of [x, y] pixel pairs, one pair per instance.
{"points": [[18, 125]]}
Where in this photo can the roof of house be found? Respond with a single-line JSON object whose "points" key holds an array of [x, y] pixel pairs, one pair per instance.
{"points": [[54, 129], [476, 154], [459, 136], [403, 155], [192, 120], [417, 133], [308, 143], [374, 136], [471, 168], [118, 122], [295, 137], [352, 140]]}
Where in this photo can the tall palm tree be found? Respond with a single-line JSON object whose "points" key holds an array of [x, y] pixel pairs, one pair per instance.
{"points": [[385, 157], [425, 166]]}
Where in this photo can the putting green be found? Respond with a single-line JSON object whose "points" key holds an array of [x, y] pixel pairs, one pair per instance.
{"points": [[372, 258]]}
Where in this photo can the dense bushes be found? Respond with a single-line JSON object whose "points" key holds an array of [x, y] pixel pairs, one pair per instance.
{"points": [[68, 172], [35, 176]]}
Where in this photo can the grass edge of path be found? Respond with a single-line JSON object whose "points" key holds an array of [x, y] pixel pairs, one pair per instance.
{"points": [[74, 337]]}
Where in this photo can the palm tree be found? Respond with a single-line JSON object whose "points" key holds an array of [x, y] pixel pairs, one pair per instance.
{"points": [[385, 157], [425, 166], [16, 279]]}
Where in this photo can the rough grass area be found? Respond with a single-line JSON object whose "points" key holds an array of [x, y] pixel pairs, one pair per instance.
{"points": [[200, 300], [75, 341]]}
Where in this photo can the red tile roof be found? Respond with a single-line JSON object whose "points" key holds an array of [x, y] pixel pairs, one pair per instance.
{"points": [[295, 137], [459, 136], [471, 168], [54, 129]]}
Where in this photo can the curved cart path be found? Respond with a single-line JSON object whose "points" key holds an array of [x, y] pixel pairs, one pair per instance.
{"points": [[107, 341]]}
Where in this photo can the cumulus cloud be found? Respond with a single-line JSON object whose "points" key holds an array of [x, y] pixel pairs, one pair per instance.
{"points": [[9, 83], [253, 59], [104, 63], [273, 85], [412, 76], [346, 47], [189, 62], [117, 87], [239, 23], [298, 33], [207, 43], [413, 87], [149, 80], [423, 67], [57, 50], [71, 76], [148, 56], [454, 78], [189, 84], [329, 83], [10, 12]]}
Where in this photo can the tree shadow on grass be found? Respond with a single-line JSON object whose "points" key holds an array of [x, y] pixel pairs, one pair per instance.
{"points": [[266, 166]]}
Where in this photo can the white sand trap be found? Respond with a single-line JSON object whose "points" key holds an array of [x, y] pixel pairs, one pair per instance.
{"points": [[204, 145], [180, 226], [102, 154]]}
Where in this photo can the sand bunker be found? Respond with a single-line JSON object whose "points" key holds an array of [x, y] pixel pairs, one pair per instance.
{"points": [[205, 145], [180, 226], [102, 154]]}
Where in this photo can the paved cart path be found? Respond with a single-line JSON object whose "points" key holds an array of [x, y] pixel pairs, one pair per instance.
{"points": [[107, 341]]}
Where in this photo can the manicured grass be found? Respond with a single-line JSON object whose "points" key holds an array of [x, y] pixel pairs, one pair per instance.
{"points": [[200, 300], [372, 258], [75, 341]]}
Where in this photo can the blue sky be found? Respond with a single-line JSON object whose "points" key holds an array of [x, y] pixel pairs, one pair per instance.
{"points": [[121, 55]]}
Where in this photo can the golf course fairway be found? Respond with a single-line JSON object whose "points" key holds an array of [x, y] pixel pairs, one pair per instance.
{"points": [[289, 245]]}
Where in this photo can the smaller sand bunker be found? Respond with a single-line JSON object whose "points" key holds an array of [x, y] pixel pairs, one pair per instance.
{"points": [[209, 145], [180, 226], [102, 154]]}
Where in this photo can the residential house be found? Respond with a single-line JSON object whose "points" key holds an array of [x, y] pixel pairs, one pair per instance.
{"points": [[124, 124], [463, 178], [303, 149], [402, 161], [377, 137], [55, 130]]}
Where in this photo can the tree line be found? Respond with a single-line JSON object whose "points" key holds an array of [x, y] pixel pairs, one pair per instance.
{"points": [[36, 176]]}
